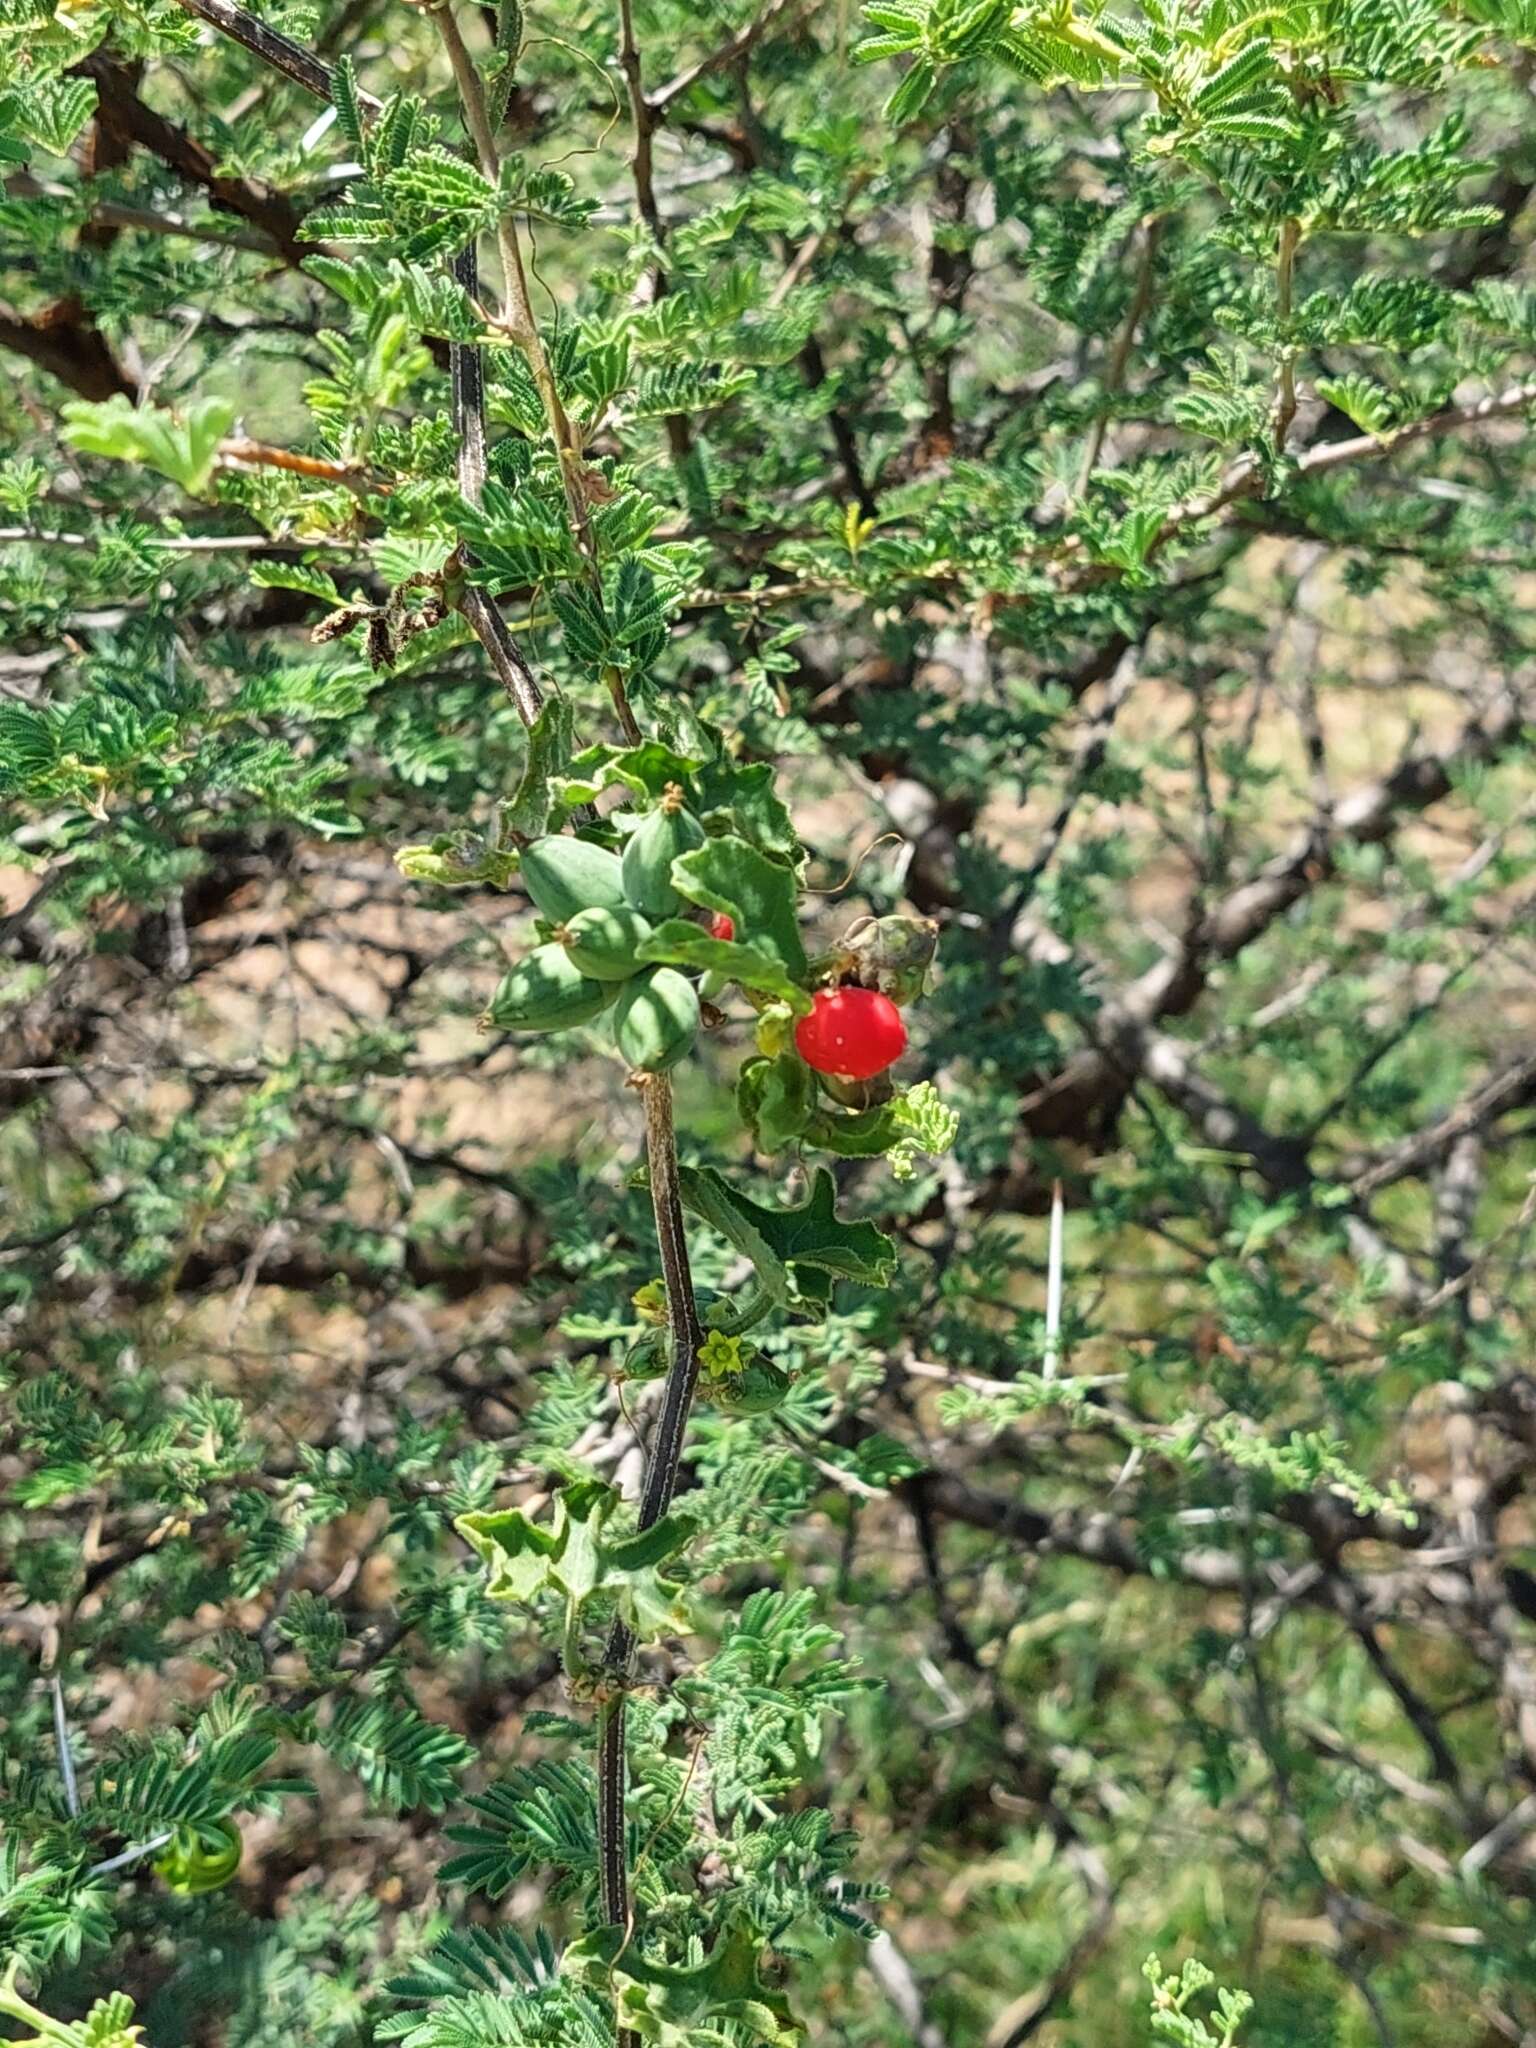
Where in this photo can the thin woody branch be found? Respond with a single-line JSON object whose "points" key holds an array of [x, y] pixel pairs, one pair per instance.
{"points": [[1245, 480], [298, 65], [730, 52], [490, 628]]}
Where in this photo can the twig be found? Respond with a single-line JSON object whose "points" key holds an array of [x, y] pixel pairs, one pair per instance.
{"points": [[645, 121], [490, 628], [1285, 275], [1091, 750], [644, 116], [112, 213], [662, 1471], [260, 455], [518, 321], [1245, 479], [297, 64], [487, 623], [1120, 354], [682, 1311], [731, 51], [517, 316], [1503, 1091]]}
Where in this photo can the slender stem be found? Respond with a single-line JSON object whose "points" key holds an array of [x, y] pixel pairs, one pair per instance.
{"points": [[1091, 750], [261, 455], [296, 63], [644, 118], [486, 621], [1285, 277], [518, 312], [1245, 479], [662, 1470], [730, 52], [682, 1310], [524, 330], [1120, 355], [613, 1783]]}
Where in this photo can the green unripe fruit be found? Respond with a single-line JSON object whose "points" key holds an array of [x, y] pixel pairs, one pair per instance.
{"points": [[565, 876], [657, 1020], [604, 943], [647, 1359], [547, 991], [756, 1390], [652, 847]]}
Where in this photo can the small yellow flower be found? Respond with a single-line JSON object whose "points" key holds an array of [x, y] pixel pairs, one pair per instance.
{"points": [[721, 1356]]}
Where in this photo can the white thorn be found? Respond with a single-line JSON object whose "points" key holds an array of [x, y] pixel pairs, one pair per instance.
{"points": [[1053, 1286]]}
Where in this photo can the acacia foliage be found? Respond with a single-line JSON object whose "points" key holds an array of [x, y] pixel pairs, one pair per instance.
{"points": [[1059, 472]]}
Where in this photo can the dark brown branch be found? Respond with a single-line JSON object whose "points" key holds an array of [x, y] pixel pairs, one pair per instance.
{"points": [[1092, 1084], [663, 1469], [62, 340], [950, 269], [643, 117], [129, 118], [730, 52], [1512, 1087], [291, 59]]}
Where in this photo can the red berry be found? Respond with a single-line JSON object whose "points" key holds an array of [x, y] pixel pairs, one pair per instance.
{"points": [[721, 926], [853, 1033]]}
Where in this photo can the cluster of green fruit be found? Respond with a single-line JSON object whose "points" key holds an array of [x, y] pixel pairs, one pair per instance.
{"points": [[600, 906]]}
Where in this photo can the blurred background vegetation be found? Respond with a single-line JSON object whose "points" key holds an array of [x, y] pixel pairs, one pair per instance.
{"points": [[1200, 726]]}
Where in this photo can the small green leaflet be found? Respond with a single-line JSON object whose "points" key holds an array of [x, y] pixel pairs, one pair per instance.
{"points": [[549, 753], [754, 892], [783, 1243], [28, 748], [665, 2003], [182, 448], [52, 111], [677, 943], [570, 1557]]}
